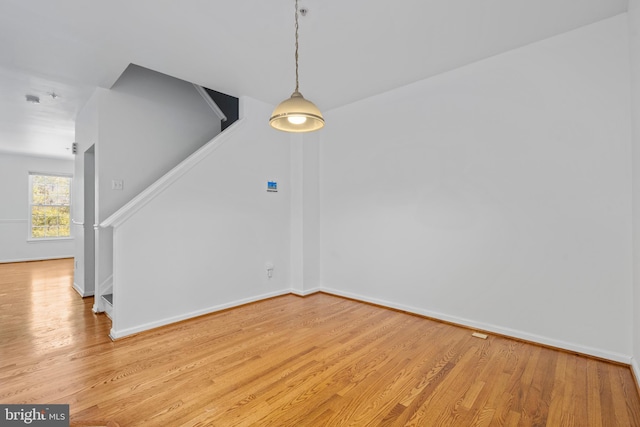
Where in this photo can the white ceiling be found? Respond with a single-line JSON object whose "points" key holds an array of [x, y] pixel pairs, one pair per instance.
{"points": [[349, 50]]}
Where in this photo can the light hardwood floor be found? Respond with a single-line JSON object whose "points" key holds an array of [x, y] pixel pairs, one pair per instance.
{"points": [[289, 361]]}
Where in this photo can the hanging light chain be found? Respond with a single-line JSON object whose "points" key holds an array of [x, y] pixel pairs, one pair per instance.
{"points": [[297, 84]]}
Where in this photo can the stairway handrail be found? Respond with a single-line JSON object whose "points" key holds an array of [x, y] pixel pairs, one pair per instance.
{"points": [[151, 192], [210, 102]]}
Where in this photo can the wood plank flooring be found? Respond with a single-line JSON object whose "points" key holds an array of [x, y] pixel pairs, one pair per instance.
{"points": [[289, 361]]}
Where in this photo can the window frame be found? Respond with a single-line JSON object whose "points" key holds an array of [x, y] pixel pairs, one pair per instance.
{"points": [[30, 206]]}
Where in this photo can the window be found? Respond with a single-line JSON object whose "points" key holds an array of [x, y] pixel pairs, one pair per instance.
{"points": [[50, 206]]}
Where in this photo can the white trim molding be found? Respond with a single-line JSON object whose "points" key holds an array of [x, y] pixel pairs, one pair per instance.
{"points": [[106, 284], [49, 239], [12, 220], [79, 290], [507, 332], [117, 334], [304, 293], [98, 304], [210, 102], [636, 371], [135, 204], [7, 261]]}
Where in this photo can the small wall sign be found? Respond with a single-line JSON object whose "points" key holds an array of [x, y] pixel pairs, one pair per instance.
{"points": [[272, 187]]}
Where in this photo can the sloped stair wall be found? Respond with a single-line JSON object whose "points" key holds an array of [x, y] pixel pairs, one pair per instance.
{"points": [[197, 240]]}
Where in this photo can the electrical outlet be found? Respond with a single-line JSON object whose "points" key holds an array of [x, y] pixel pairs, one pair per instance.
{"points": [[117, 184], [269, 267]]}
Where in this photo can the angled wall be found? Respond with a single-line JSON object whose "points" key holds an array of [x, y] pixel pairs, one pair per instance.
{"points": [[497, 195], [149, 122], [201, 244], [142, 127]]}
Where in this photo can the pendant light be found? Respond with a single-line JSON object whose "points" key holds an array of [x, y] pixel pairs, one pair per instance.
{"points": [[296, 114]]}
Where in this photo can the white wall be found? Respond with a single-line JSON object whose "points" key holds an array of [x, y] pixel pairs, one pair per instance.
{"points": [[149, 122], [305, 213], [634, 38], [202, 243], [142, 127], [14, 209], [86, 136], [496, 195]]}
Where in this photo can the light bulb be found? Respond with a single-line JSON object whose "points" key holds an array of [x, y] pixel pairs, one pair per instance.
{"points": [[296, 120]]}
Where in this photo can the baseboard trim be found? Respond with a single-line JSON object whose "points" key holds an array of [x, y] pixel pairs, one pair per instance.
{"points": [[116, 334], [303, 293], [457, 321], [491, 329], [78, 289], [635, 372], [81, 291], [9, 261]]}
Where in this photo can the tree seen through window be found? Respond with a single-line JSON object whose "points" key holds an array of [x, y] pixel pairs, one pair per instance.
{"points": [[50, 206]]}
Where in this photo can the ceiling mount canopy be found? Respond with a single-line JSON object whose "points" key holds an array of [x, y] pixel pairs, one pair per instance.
{"points": [[296, 114]]}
